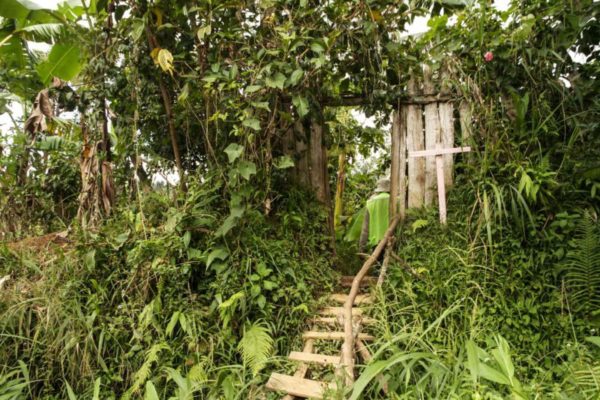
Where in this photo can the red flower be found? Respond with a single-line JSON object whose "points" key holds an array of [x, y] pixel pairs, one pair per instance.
{"points": [[489, 56]]}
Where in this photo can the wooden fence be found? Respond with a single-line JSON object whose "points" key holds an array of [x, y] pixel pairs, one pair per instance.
{"points": [[423, 125]]}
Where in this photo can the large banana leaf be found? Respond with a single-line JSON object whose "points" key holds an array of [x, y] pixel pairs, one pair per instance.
{"points": [[64, 62]]}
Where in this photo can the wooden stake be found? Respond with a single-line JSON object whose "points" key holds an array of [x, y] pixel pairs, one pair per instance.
{"points": [[439, 162]]}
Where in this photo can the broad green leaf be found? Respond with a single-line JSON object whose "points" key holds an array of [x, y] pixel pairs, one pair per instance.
{"points": [[90, 259], [261, 104], [301, 105], [227, 225], [234, 151], [64, 62], [295, 77], [203, 31], [220, 253], [253, 88], [283, 162], [252, 123], [491, 374], [377, 367], [247, 169], [70, 392], [317, 47], [151, 393], [97, 383], [137, 29], [276, 81], [187, 236], [593, 340], [13, 9], [502, 356], [472, 360], [185, 92]]}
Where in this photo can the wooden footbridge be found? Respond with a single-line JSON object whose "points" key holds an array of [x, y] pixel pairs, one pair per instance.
{"points": [[337, 323]]}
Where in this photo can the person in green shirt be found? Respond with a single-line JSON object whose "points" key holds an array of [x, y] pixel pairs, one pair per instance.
{"points": [[376, 217]]}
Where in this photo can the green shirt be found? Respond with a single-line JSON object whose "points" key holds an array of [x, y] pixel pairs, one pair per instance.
{"points": [[377, 215], [378, 207]]}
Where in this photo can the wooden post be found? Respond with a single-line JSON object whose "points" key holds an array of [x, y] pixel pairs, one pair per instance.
{"points": [[438, 153], [432, 134], [446, 111], [402, 180], [395, 168], [415, 142], [439, 166]]}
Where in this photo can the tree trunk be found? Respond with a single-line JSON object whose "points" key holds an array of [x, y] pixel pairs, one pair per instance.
{"points": [[318, 163], [166, 97], [302, 170]]}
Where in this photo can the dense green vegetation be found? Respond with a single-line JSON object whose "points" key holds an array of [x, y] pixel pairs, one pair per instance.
{"points": [[198, 285]]}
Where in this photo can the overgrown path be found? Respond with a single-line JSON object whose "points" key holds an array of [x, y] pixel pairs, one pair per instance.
{"points": [[326, 336]]}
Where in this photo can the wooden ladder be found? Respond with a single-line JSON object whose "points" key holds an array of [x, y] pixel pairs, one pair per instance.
{"points": [[331, 320]]}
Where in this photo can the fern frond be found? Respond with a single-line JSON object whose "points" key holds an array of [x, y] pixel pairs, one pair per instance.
{"points": [[582, 277], [256, 346], [587, 380], [143, 373]]}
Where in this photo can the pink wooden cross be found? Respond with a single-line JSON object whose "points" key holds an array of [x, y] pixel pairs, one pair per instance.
{"points": [[439, 163]]}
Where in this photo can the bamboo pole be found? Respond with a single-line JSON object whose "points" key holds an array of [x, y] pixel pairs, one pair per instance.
{"points": [[348, 346]]}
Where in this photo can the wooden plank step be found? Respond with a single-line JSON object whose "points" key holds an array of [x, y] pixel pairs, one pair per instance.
{"points": [[346, 281], [297, 386], [360, 299], [335, 321], [302, 367], [314, 358], [332, 336], [339, 311]]}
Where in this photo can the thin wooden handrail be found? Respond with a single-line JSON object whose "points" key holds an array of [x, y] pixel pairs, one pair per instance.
{"points": [[348, 346]]}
